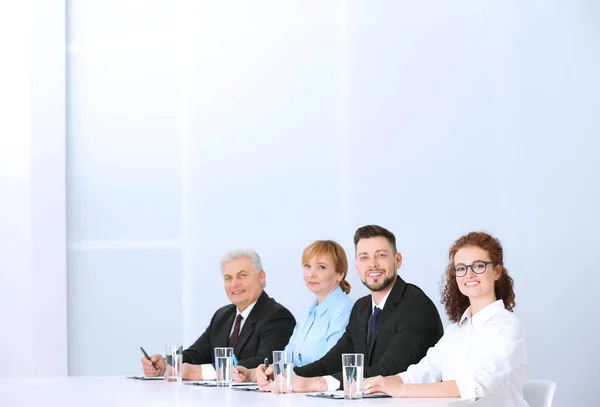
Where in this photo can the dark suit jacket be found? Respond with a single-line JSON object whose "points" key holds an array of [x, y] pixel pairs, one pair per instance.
{"points": [[408, 325], [268, 328]]}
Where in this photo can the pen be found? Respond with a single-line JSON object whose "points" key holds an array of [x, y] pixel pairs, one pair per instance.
{"points": [[234, 360], [266, 367], [148, 357]]}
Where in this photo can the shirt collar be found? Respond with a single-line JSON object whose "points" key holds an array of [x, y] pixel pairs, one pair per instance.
{"points": [[381, 303], [328, 302], [246, 311], [484, 315]]}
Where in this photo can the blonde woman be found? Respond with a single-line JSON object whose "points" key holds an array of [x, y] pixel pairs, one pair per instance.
{"points": [[325, 267]]}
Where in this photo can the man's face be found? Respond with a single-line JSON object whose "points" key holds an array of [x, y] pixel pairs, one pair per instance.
{"points": [[242, 284], [376, 263]]}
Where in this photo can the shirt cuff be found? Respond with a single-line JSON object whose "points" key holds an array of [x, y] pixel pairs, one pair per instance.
{"points": [[404, 377], [466, 388], [208, 372], [332, 383]]}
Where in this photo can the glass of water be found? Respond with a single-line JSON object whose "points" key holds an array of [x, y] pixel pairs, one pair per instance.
{"points": [[173, 360], [352, 368], [224, 366], [283, 371]]}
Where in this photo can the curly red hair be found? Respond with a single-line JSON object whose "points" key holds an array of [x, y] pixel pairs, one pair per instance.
{"points": [[454, 301]]}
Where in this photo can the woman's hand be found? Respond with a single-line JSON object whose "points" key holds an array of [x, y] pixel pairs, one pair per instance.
{"points": [[390, 385]]}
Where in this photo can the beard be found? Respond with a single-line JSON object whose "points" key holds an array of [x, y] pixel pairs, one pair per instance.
{"points": [[388, 281]]}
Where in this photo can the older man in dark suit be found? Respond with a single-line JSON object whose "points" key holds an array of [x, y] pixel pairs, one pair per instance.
{"points": [[254, 324]]}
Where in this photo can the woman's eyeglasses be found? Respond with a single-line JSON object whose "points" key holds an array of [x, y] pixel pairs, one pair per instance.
{"points": [[478, 267]]}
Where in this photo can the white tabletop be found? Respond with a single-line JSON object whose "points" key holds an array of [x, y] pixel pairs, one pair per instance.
{"points": [[119, 391]]}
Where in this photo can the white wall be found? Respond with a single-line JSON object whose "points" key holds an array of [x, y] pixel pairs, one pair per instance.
{"points": [[124, 183], [200, 126], [33, 307], [485, 117]]}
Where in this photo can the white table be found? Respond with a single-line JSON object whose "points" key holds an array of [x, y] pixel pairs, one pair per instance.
{"points": [[119, 391]]}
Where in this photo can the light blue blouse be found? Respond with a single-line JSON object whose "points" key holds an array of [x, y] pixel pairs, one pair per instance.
{"points": [[321, 328]]}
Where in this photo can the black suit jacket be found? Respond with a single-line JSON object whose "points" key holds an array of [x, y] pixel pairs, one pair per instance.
{"points": [[408, 325], [268, 328]]}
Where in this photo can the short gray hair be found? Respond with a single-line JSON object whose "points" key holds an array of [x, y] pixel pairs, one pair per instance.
{"points": [[235, 254]]}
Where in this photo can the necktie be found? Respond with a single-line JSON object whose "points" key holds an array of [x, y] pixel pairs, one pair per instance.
{"points": [[373, 322], [236, 331]]}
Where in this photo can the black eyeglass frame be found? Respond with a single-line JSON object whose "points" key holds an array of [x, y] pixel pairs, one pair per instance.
{"points": [[485, 264]]}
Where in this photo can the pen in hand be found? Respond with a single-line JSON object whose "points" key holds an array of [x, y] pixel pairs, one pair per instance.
{"points": [[148, 357], [266, 367], [234, 361]]}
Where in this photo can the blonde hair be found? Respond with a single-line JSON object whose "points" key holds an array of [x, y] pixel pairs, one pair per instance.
{"points": [[319, 248]]}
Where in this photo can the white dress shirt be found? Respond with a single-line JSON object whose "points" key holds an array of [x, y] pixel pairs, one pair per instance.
{"points": [[244, 317], [333, 383], [208, 370], [484, 354], [382, 302]]}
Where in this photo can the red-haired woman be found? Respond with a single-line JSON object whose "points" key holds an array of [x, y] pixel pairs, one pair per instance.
{"points": [[482, 354], [325, 267]]}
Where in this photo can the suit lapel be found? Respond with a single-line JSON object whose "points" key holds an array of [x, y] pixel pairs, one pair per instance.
{"points": [[363, 323], [250, 323], [388, 311], [363, 328], [222, 337], [247, 331]]}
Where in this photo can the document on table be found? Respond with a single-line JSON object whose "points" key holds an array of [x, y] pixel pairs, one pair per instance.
{"points": [[339, 394], [146, 377], [246, 388], [213, 383]]}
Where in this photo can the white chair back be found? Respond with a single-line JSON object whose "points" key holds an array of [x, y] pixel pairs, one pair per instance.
{"points": [[539, 393]]}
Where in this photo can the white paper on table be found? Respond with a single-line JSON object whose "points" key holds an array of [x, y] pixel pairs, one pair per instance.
{"points": [[213, 383], [339, 394]]}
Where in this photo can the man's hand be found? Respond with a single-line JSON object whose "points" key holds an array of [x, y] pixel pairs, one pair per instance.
{"points": [[390, 385], [307, 384], [191, 372], [300, 384], [149, 370], [242, 374]]}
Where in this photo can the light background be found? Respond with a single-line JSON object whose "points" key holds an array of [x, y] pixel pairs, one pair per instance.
{"points": [[197, 126]]}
